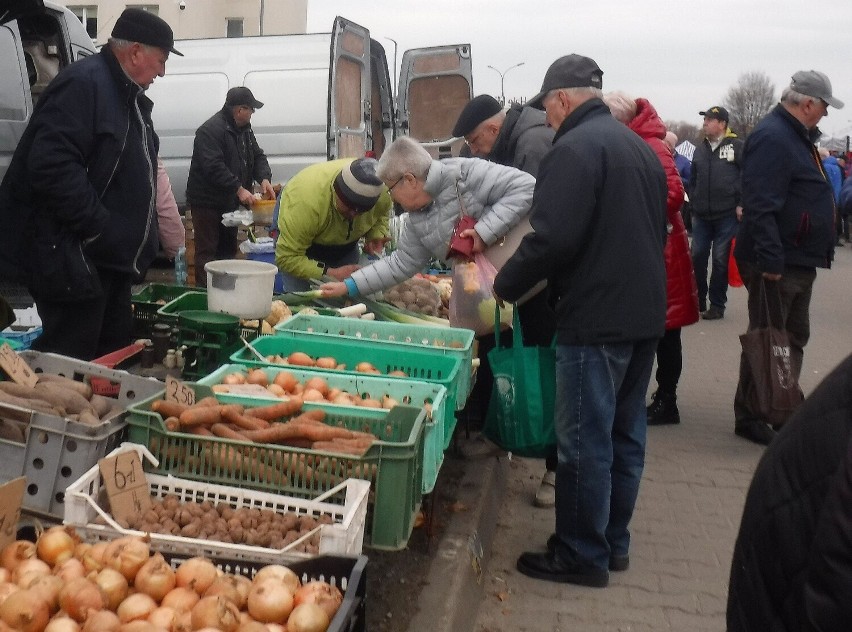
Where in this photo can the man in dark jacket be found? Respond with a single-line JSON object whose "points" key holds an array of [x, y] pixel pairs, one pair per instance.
{"points": [[518, 137], [599, 234], [787, 229], [78, 203], [792, 563], [714, 197], [226, 162]]}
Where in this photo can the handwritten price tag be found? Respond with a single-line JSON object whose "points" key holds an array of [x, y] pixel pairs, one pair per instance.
{"points": [[15, 367], [11, 496], [180, 392], [126, 485]]}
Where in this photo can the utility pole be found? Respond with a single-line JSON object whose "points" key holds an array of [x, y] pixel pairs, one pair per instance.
{"points": [[502, 78]]}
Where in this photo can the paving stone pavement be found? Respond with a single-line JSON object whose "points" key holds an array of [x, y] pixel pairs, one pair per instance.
{"points": [[690, 502]]}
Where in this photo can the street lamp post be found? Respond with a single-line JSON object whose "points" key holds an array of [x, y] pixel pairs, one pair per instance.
{"points": [[393, 87], [502, 78]]}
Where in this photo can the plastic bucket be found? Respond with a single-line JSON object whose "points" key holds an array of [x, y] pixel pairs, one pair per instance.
{"points": [[269, 257], [239, 287]]}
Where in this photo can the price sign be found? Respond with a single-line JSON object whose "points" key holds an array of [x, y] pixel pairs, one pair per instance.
{"points": [[11, 495], [15, 367], [126, 485], [180, 392]]}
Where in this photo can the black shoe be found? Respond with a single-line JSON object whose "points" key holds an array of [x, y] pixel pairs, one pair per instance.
{"points": [[616, 562], [755, 430], [546, 566], [714, 313], [663, 410]]}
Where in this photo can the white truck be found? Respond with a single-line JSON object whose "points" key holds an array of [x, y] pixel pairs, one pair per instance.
{"points": [[326, 96], [37, 39]]}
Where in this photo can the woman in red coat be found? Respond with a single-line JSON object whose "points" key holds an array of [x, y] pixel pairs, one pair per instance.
{"points": [[682, 292]]}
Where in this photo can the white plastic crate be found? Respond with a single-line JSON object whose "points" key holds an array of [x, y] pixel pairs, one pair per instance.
{"points": [[84, 502]]}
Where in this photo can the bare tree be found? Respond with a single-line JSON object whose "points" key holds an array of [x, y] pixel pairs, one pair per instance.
{"points": [[749, 101], [684, 131]]}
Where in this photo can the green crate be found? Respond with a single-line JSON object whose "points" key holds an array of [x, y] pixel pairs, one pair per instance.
{"points": [[393, 465], [451, 341], [424, 367], [408, 392], [147, 301], [194, 301]]}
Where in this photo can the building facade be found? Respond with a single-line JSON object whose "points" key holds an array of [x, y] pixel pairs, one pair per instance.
{"points": [[192, 19]]}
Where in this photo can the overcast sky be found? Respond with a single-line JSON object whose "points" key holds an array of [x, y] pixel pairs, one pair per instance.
{"points": [[682, 55]]}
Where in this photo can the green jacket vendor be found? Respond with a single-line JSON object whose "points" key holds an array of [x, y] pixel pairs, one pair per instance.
{"points": [[324, 211]]}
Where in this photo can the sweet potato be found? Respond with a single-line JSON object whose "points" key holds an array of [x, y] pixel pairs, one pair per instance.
{"points": [[68, 399], [66, 382], [28, 403], [102, 405], [89, 418]]}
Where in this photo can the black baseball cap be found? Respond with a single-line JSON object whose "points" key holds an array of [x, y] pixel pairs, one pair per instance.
{"points": [[242, 96], [716, 112], [570, 71], [137, 25]]}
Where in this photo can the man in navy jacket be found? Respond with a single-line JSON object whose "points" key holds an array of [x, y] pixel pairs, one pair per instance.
{"points": [[787, 230], [79, 215]]}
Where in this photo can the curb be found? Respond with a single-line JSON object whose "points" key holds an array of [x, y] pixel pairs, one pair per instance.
{"points": [[454, 588]]}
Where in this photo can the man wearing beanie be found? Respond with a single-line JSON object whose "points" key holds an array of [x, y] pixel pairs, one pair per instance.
{"points": [[325, 210], [79, 218], [518, 137], [226, 162]]}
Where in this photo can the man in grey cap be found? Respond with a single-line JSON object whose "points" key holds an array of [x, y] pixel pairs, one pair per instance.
{"points": [[599, 220], [226, 162], [78, 203], [787, 229]]}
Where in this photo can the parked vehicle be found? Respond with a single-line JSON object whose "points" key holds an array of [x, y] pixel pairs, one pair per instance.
{"points": [[326, 96], [37, 40]]}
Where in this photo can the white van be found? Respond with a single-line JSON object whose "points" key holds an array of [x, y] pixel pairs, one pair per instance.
{"points": [[325, 95], [37, 40]]}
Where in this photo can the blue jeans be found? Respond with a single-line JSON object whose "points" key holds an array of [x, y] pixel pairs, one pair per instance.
{"points": [[717, 233], [601, 424]]}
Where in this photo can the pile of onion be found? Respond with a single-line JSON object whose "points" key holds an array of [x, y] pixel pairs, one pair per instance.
{"points": [[59, 584]]}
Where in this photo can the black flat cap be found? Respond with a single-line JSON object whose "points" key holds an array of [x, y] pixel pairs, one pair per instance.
{"points": [[137, 25], [477, 110]]}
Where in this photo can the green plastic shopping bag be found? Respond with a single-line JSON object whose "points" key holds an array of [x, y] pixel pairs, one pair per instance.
{"points": [[523, 399]]}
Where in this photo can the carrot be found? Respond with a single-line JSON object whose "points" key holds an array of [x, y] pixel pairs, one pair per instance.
{"points": [[246, 422], [226, 432], [202, 431], [168, 409], [276, 433], [340, 447], [318, 414], [278, 410], [317, 432], [200, 416], [207, 401], [172, 424]]}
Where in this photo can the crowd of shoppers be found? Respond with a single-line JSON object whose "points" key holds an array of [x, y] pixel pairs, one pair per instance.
{"points": [[599, 181]]}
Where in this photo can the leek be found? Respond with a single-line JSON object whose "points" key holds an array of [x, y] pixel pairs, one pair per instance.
{"points": [[386, 311]]}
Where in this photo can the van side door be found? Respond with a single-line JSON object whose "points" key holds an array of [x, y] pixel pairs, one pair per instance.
{"points": [[434, 86], [349, 91], [16, 104]]}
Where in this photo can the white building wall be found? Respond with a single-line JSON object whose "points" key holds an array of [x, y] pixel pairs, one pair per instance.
{"points": [[205, 18]]}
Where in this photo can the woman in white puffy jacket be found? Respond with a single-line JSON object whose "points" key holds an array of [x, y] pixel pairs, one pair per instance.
{"points": [[434, 193]]}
